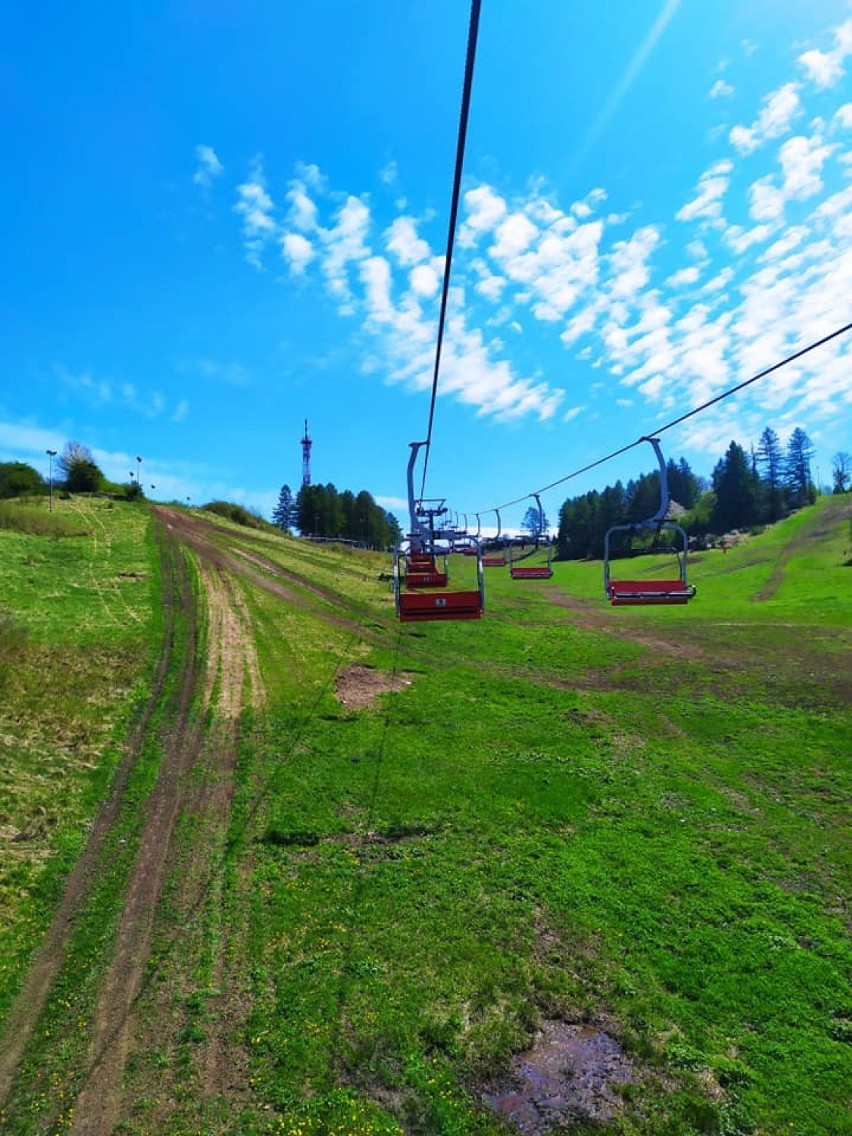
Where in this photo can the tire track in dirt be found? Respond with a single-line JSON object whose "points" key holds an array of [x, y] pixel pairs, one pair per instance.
{"points": [[50, 956], [268, 575], [196, 782], [97, 1107]]}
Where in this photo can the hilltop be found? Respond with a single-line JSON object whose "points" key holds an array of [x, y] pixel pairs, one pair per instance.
{"points": [[274, 863]]}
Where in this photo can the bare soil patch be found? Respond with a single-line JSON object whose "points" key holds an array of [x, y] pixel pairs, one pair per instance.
{"points": [[570, 1075], [358, 686]]}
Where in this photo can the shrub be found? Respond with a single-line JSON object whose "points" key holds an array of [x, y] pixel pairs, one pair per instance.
{"points": [[37, 521], [236, 513]]}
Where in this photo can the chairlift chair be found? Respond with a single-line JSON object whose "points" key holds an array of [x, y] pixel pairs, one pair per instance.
{"points": [[496, 560], [421, 589], [637, 592], [534, 571]]}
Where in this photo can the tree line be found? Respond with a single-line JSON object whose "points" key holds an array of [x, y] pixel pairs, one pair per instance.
{"points": [[324, 512], [746, 489], [76, 471]]}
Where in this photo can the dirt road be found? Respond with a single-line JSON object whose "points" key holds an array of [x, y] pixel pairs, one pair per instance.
{"points": [[207, 672]]}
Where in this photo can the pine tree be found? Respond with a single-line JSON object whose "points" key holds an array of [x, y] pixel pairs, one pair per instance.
{"points": [[769, 458], [737, 490], [797, 468], [770, 466], [283, 514], [841, 472]]}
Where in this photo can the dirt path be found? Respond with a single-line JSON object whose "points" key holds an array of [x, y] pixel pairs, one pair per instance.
{"points": [[208, 672], [813, 529], [195, 780]]}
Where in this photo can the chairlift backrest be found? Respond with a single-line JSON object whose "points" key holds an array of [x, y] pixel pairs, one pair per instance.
{"points": [[650, 591]]}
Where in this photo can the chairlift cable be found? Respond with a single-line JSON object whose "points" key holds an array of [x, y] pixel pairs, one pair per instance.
{"points": [[683, 417], [473, 32]]}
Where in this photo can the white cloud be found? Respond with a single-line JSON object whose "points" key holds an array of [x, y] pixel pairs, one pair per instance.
{"points": [[388, 502], [402, 240], [209, 167], [843, 116], [802, 160], [255, 207], [298, 250], [683, 276], [712, 186], [389, 173], [766, 200], [779, 109], [345, 244], [514, 235], [387, 293], [721, 90], [424, 280], [824, 68], [97, 392], [490, 285], [303, 209], [376, 275], [719, 281], [780, 248], [484, 209], [740, 240], [571, 414]]}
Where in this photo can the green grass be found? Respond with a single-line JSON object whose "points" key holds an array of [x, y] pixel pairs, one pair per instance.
{"points": [[635, 818]]}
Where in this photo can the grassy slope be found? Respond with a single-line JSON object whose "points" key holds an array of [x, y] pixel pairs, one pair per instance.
{"points": [[629, 817], [86, 612]]}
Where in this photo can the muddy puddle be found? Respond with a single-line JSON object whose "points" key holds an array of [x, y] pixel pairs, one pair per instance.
{"points": [[572, 1073]]}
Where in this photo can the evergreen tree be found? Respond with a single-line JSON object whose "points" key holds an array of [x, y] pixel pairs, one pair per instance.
{"points": [[770, 466], [841, 472], [797, 469], [770, 459], [283, 514], [737, 489], [684, 486], [306, 511], [394, 531]]}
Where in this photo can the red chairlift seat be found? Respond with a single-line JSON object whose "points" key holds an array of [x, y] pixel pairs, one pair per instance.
{"points": [[494, 561], [626, 592], [635, 593], [520, 571], [423, 572], [416, 571], [532, 572], [426, 579], [418, 606]]}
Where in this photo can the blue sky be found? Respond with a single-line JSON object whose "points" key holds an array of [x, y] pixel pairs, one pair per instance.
{"points": [[220, 218]]}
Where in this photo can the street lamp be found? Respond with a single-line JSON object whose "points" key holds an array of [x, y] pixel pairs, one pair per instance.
{"points": [[51, 454], [138, 468]]}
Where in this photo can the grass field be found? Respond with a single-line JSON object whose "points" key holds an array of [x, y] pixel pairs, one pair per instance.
{"points": [[368, 904]]}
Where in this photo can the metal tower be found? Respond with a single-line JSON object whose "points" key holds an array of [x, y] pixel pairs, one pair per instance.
{"points": [[306, 457]]}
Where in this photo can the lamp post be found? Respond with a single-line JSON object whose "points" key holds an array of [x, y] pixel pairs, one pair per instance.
{"points": [[138, 471], [51, 454]]}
